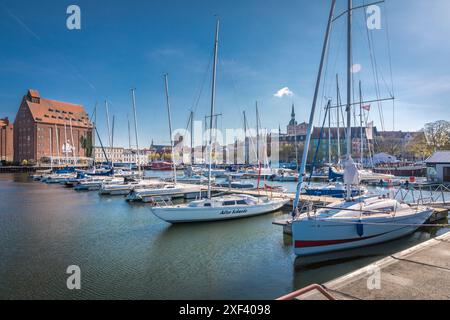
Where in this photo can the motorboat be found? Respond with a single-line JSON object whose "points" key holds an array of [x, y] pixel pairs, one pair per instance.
{"points": [[218, 208], [152, 194], [96, 183], [126, 187], [337, 190], [236, 184]]}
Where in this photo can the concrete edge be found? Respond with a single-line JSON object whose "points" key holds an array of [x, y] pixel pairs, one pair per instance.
{"points": [[358, 274]]}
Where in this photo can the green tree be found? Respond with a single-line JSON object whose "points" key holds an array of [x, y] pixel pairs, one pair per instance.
{"points": [[438, 134], [86, 144], [420, 147]]}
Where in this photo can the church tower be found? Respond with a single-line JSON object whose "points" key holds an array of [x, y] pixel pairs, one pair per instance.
{"points": [[293, 122]]}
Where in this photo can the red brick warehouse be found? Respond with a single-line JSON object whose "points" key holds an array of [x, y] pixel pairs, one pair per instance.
{"points": [[47, 129], [6, 140]]}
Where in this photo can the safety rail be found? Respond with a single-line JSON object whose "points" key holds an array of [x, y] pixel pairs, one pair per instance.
{"points": [[298, 293], [160, 201], [434, 194]]}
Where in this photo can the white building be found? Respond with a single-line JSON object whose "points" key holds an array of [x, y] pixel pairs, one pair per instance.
{"points": [[438, 167], [114, 154], [130, 156]]}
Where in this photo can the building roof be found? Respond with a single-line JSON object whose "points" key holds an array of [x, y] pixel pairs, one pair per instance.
{"points": [[399, 134], [56, 112], [439, 157]]}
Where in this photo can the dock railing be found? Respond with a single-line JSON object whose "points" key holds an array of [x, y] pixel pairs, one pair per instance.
{"points": [[429, 195], [298, 293]]}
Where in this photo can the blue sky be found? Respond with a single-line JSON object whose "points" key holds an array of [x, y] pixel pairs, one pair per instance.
{"points": [[264, 46]]}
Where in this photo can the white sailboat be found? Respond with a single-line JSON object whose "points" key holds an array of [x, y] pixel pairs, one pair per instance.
{"points": [[217, 208], [350, 223]]}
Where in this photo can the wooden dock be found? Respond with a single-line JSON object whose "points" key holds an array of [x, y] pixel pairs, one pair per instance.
{"points": [[418, 273], [276, 194]]}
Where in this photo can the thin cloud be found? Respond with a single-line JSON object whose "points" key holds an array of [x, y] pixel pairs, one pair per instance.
{"points": [[284, 92]]}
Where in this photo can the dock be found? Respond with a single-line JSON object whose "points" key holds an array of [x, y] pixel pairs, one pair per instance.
{"points": [[418, 273], [277, 194]]}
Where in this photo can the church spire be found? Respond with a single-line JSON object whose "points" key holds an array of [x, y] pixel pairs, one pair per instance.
{"points": [[293, 122]]}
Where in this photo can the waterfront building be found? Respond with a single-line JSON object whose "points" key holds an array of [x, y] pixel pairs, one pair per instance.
{"points": [[293, 128], [6, 140], [131, 156], [47, 131], [438, 167], [114, 154]]}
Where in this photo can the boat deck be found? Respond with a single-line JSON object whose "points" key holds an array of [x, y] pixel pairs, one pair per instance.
{"points": [[418, 273]]}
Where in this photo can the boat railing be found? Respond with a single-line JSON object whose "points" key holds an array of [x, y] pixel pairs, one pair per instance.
{"points": [[160, 201], [432, 194]]}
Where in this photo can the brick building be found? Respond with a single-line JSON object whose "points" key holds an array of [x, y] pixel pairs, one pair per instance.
{"points": [[294, 128], [47, 130], [6, 140]]}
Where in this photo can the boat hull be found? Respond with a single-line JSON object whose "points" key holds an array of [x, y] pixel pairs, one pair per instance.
{"points": [[320, 236], [204, 214]]}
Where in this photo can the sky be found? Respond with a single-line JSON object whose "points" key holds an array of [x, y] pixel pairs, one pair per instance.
{"points": [[269, 52]]}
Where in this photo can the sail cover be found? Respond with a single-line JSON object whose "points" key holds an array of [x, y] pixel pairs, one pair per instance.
{"points": [[351, 173]]}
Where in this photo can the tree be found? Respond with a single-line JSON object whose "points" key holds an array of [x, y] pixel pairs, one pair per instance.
{"points": [[392, 146], [438, 134], [86, 144], [419, 146]]}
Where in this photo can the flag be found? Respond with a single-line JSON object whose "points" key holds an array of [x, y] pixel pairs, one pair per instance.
{"points": [[366, 107]]}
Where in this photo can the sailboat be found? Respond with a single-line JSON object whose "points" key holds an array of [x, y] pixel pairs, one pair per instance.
{"points": [[350, 223], [173, 190], [217, 208]]}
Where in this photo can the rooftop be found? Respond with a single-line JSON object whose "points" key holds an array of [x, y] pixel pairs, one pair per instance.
{"points": [[439, 157], [56, 112]]}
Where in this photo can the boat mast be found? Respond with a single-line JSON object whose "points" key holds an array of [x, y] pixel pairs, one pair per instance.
{"points": [[174, 167], [65, 144], [213, 100], [51, 148], [329, 132], [302, 172], [338, 102], [129, 135], [361, 123], [57, 145], [107, 123], [133, 100], [246, 161], [349, 88], [257, 133], [192, 139]]}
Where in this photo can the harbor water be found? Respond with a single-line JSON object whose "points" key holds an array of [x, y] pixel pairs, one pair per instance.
{"points": [[125, 252]]}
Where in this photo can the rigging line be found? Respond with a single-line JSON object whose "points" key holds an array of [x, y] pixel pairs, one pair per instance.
{"points": [[330, 88], [388, 40], [374, 75], [323, 95], [380, 104], [202, 84]]}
